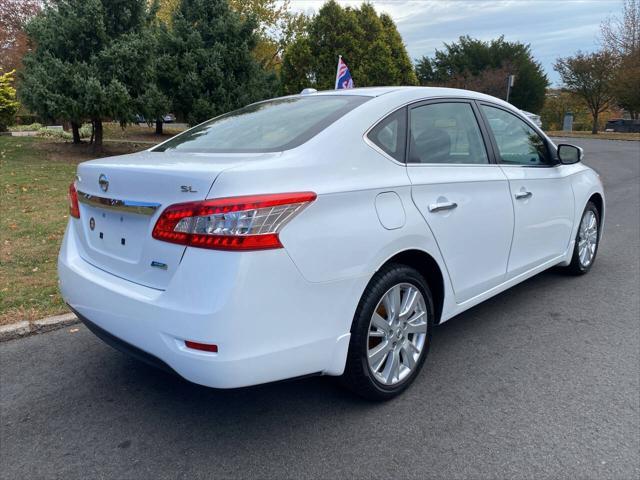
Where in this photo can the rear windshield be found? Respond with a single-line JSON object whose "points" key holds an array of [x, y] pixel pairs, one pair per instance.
{"points": [[270, 126]]}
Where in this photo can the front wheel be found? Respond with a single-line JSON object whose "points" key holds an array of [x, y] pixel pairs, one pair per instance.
{"points": [[390, 335], [587, 241]]}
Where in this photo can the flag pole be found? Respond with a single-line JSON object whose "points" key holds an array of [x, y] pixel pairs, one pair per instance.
{"points": [[337, 72]]}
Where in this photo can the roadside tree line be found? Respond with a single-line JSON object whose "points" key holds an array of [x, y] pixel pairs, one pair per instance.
{"points": [[91, 60], [115, 59], [611, 76]]}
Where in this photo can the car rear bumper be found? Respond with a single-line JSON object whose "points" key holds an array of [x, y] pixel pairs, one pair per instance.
{"points": [[123, 346], [268, 322]]}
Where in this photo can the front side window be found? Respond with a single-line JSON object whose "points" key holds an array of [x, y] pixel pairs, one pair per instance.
{"points": [[518, 143], [445, 133], [270, 126], [391, 133]]}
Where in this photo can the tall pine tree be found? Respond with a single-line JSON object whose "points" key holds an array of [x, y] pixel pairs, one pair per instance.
{"points": [[90, 62], [206, 65]]}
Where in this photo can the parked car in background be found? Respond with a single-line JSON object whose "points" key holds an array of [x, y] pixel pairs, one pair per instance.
{"points": [[325, 233], [622, 125], [537, 121], [169, 118]]}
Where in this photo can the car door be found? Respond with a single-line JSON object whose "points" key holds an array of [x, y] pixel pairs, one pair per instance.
{"points": [[540, 186], [463, 196]]}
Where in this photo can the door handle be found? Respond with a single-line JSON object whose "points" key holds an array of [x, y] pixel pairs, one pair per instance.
{"points": [[442, 206], [523, 194]]}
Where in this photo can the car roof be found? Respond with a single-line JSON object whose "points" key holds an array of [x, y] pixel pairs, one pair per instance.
{"points": [[362, 91], [411, 93]]}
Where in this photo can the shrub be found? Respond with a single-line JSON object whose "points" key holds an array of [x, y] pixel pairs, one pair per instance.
{"points": [[49, 133], [85, 130], [26, 128], [8, 103]]}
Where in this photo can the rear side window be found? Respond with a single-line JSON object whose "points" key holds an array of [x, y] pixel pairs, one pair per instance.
{"points": [[390, 135], [518, 143], [445, 133], [270, 126]]}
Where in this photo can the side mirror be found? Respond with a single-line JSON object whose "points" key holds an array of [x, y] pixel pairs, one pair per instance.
{"points": [[569, 154]]}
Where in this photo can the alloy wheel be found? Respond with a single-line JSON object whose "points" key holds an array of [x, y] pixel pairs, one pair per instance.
{"points": [[587, 238], [397, 334]]}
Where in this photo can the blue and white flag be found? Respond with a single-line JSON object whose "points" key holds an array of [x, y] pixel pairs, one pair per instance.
{"points": [[343, 76]]}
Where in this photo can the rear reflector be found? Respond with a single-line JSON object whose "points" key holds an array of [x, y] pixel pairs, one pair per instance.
{"points": [[205, 347], [74, 207], [232, 223]]}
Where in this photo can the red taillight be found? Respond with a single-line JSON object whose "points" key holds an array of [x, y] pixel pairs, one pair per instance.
{"points": [[205, 347], [74, 207], [233, 223]]}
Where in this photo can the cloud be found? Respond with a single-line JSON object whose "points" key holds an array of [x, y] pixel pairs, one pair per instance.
{"points": [[553, 28]]}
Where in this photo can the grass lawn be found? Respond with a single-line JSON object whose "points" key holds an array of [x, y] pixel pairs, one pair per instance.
{"points": [[142, 132], [599, 136], [35, 175]]}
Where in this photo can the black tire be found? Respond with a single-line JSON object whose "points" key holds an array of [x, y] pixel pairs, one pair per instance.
{"points": [[357, 376], [576, 267]]}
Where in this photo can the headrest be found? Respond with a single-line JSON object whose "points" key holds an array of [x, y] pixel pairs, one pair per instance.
{"points": [[433, 146]]}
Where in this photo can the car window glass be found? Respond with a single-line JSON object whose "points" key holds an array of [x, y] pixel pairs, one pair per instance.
{"points": [[270, 126], [390, 134], [445, 133], [518, 143]]}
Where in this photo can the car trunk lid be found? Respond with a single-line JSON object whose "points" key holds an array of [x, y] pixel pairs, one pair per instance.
{"points": [[121, 199]]}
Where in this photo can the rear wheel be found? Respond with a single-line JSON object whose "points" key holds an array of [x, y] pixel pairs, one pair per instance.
{"points": [[587, 241], [390, 335]]}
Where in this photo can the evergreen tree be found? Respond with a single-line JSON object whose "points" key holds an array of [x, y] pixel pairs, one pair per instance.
{"points": [[91, 61], [424, 70], [475, 64], [206, 66], [369, 43]]}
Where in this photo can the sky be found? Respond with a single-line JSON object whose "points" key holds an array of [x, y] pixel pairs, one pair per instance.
{"points": [[553, 28]]}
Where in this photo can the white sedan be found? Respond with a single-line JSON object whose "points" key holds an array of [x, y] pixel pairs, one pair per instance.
{"points": [[322, 233]]}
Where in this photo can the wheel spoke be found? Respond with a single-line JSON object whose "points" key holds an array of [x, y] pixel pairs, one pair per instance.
{"points": [[378, 355], [416, 324], [379, 322], [392, 367], [392, 303], [583, 257], [420, 327], [417, 316], [581, 248], [408, 357], [409, 301], [583, 227]]}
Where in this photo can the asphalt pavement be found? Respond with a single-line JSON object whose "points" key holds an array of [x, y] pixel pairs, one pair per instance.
{"points": [[542, 381]]}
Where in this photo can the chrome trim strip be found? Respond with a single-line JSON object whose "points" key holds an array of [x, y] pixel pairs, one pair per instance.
{"points": [[128, 206]]}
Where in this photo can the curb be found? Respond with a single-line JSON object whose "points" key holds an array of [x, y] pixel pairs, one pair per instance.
{"points": [[24, 328]]}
